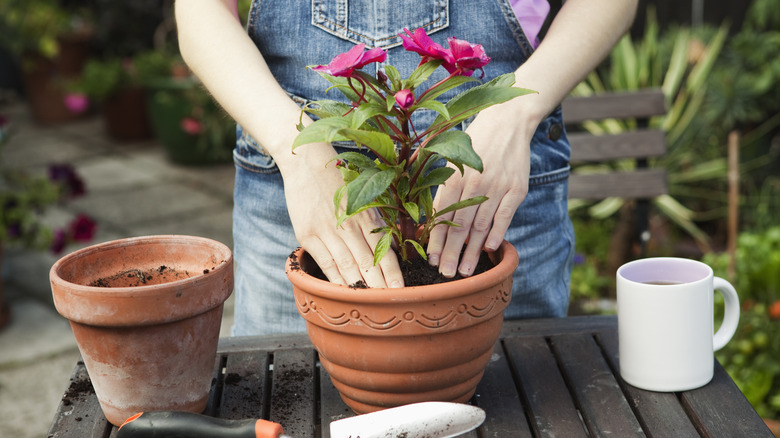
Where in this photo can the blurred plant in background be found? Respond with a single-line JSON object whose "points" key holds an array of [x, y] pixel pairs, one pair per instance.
{"points": [[752, 358], [679, 63], [24, 200]]}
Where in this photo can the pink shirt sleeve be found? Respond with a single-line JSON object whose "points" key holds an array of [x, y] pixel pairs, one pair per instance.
{"points": [[531, 15]]}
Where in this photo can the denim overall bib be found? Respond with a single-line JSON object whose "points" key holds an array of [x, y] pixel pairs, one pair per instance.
{"points": [[294, 34]]}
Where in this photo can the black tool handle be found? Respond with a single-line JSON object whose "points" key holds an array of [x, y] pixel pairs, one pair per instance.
{"points": [[177, 424]]}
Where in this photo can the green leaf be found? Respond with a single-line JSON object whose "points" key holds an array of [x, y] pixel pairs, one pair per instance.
{"points": [[379, 142], [434, 178], [422, 73], [437, 106], [393, 75], [355, 159], [367, 187], [475, 99], [337, 197], [418, 247], [448, 85], [413, 210], [323, 130], [455, 146], [327, 108], [403, 187], [426, 202], [461, 204], [367, 111], [382, 247]]}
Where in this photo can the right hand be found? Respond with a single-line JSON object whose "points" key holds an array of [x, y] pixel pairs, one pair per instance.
{"points": [[345, 254]]}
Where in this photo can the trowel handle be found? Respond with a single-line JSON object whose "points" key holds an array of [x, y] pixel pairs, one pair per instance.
{"points": [[178, 424]]}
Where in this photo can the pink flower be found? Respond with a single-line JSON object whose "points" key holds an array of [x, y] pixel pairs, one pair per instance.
{"points": [[82, 228], [467, 57], [59, 240], [421, 43], [191, 126], [404, 98], [76, 102], [345, 64]]}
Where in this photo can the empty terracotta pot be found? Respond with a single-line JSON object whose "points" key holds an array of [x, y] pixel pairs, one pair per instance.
{"points": [[390, 347], [146, 314]]}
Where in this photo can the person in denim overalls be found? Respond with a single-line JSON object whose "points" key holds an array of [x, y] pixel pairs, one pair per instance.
{"points": [[260, 78]]}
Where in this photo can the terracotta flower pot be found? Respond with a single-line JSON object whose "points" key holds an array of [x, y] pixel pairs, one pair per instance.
{"points": [[146, 313], [389, 347]]}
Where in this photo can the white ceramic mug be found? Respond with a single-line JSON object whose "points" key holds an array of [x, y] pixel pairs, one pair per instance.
{"points": [[665, 322]]}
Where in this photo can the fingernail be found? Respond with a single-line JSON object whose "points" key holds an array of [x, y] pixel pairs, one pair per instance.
{"points": [[465, 270], [447, 270], [396, 284], [433, 260], [491, 246]]}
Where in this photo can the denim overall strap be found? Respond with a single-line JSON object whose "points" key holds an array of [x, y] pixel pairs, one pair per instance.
{"points": [[294, 34]]}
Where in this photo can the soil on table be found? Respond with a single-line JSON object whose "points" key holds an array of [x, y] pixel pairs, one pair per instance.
{"points": [[138, 277], [415, 272]]}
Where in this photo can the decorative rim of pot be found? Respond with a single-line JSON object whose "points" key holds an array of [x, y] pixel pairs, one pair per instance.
{"points": [[116, 304], [506, 255]]}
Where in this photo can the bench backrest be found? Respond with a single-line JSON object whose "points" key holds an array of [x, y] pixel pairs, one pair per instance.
{"points": [[639, 144]]}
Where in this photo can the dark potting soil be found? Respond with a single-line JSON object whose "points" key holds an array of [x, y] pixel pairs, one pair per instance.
{"points": [[79, 389], [415, 272], [148, 277]]}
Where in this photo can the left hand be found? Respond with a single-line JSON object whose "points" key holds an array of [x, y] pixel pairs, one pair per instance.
{"points": [[504, 147]]}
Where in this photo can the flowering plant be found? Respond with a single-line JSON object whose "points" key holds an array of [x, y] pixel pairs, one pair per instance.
{"points": [[24, 198], [398, 181]]}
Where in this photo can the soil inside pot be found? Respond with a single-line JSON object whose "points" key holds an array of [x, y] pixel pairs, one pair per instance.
{"points": [[144, 277], [415, 272]]}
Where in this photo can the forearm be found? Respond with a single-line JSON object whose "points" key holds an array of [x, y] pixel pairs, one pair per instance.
{"points": [[218, 50], [580, 37]]}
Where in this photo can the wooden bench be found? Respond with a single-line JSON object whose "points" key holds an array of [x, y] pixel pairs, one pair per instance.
{"points": [[643, 182]]}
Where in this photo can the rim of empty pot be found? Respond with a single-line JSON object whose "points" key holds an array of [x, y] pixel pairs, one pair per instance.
{"points": [[122, 306], [509, 260]]}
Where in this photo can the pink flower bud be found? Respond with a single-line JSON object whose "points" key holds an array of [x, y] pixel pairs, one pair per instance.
{"points": [[404, 98]]}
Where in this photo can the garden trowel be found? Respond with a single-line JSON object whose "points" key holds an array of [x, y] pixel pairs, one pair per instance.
{"points": [[419, 420]]}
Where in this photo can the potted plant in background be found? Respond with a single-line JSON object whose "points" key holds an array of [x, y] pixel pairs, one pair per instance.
{"points": [[118, 86], [386, 347], [25, 198], [192, 128], [52, 43]]}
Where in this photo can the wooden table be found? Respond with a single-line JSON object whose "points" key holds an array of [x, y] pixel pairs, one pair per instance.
{"points": [[550, 377]]}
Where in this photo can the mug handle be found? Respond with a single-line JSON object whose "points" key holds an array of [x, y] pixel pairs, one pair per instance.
{"points": [[730, 316]]}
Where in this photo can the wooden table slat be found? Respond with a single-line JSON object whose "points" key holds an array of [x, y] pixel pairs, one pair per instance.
{"points": [[547, 399], [497, 395], [720, 409], [79, 414], [293, 392], [597, 393], [332, 407], [244, 386], [660, 413]]}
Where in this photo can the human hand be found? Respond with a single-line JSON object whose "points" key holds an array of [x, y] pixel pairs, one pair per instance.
{"points": [[345, 254], [504, 147]]}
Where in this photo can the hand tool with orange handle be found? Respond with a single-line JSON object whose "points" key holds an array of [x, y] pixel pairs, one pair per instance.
{"points": [[179, 424], [418, 420]]}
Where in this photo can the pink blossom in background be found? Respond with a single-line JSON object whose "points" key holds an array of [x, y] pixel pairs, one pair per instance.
{"points": [[82, 228], [191, 126], [76, 102]]}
